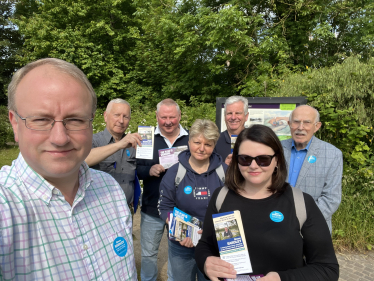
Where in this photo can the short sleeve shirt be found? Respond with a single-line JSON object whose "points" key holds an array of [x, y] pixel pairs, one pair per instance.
{"points": [[120, 165]]}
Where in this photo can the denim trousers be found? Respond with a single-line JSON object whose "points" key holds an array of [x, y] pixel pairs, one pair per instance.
{"points": [[183, 264], [151, 231]]}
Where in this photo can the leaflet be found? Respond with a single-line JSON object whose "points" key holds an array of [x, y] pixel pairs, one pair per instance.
{"points": [[169, 156], [146, 150], [245, 278], [233, 140], [182, 225], [231, 241]]}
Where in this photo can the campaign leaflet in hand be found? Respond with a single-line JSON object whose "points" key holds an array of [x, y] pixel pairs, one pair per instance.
{"points": [[182, 225], [146, 150], [231, 241], [169, 156], [245, 278], [233, 140]]}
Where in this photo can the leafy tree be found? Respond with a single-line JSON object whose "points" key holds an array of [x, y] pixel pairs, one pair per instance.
{"points": [[94, 35], [10, 42]]}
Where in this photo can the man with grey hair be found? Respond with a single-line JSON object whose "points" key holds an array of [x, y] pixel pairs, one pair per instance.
{"points": [[314, 166], [236, 114], [60, 220], [113, 151], [169, 133]]}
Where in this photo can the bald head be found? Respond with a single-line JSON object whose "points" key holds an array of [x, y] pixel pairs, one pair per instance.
{"points": [[304, 122]]}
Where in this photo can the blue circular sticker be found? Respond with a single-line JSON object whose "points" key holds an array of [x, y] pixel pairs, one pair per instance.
{"points": [[276, 216], [128, 153], [120, 246], [188, 189], [312, 159]]}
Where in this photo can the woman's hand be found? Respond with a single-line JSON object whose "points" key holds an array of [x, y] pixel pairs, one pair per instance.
{"points": [[186, 242], [271, 276], [214, 267]]}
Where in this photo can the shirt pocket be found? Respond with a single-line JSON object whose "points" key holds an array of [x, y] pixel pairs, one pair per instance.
{"points": [[107, 166]]}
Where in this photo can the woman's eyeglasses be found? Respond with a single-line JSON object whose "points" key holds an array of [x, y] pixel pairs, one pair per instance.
{"points": [[261, 160]]}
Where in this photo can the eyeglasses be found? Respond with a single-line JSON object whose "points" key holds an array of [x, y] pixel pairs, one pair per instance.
{"points": [[306, 124], [261, 160], [45, 124]]}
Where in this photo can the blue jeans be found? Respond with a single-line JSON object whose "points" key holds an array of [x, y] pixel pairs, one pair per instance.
{"points": [[183, 264], [151, 231]]}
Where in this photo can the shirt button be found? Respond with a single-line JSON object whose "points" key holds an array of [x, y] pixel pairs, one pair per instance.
{"points": [[45, 197], [85, 247]]}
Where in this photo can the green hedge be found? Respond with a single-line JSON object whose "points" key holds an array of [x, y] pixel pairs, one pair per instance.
{"points": [[6, 132]]}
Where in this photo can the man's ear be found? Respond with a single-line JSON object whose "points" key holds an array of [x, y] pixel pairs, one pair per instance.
{"points": [[105, 116], [14, 122], [318, 125], [246, 117]]}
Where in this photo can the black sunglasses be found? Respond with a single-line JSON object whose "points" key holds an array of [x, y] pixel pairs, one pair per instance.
{"points": [[261, 160]]}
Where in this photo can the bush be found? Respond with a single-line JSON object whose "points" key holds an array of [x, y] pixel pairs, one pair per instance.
{"points": [[6, 131]]}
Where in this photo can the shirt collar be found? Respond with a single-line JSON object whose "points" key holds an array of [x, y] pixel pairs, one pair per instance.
{"points": [[306, 148], [182, 132], [108, 137], [36, 184]]}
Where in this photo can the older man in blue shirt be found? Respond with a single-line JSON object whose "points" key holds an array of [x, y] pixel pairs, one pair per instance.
{"points": [[315, 166]]}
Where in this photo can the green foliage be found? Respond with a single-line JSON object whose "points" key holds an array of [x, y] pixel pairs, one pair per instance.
{"points": [[7, 155], [10, 42], [353, 222], [6, 132], [148, 50]]}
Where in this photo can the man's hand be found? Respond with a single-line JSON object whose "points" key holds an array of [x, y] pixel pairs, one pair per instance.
{"points": [[271, 276], [214, 267], [130, 140], [228, 159], [156, 170], [187, 242]]}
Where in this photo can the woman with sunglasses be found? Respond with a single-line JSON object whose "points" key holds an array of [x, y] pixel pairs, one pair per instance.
{"points": [[257, 188], [204, 169]]}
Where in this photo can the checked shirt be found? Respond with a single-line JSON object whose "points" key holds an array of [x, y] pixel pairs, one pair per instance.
{"points": [[42, 237]]}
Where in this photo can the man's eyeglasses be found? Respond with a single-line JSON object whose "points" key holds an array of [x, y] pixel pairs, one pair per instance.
{"points": [[261, 160], [39, 123], [306, 124]]}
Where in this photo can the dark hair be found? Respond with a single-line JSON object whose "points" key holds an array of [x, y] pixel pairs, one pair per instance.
{"points": [[265, 135]]}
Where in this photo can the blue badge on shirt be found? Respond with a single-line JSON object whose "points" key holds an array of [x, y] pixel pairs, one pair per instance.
{"points": [[276, 216], [312, 159], [120, 246], [128, 153], [188, 189]]}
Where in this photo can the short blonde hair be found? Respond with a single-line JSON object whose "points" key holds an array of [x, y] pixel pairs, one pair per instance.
{"points": [[206, 128], [62, 66]]}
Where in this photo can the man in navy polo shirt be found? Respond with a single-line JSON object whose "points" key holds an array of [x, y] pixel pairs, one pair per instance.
{"points": [[315, 166]]}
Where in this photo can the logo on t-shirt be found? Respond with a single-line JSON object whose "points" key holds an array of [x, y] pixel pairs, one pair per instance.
{"points": [[276, 216]]}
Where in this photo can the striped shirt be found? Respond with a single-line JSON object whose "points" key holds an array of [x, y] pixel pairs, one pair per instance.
{"points": [[42, 237]]}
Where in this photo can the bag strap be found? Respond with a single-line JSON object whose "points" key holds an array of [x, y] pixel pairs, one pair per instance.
{"points": [[180, 174], [298, 198], [221, 173], [221, 197]]}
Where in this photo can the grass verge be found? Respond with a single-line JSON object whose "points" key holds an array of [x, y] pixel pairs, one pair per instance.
{"points": [[7, 155]]}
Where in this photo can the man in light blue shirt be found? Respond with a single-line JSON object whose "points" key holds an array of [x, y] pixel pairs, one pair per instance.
{"points": [[315, 166]]}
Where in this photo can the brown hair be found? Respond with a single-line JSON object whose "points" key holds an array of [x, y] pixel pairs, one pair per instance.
{"points": [[265, 135]]}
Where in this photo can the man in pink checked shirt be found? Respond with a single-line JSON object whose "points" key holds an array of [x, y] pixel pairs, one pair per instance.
{"points": [[59, 220]]}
